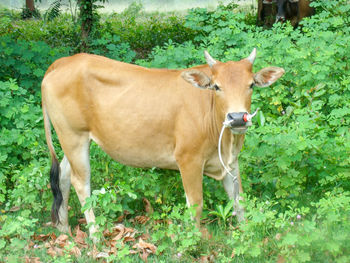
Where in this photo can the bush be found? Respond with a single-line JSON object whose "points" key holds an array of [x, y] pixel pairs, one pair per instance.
{"points": [[145, 31], [27, 61]]}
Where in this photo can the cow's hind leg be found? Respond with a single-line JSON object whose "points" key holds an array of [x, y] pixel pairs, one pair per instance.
{"points": [[76, 149], [233, 188], [64, 182]]}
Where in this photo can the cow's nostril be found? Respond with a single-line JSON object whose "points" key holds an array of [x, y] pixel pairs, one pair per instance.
{"points": [[237, 119], [280, 18]]}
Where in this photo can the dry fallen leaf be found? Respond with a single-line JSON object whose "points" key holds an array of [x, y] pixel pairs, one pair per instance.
{"points": [[75, 251], [102, 255], [120, 219], [14, 209], [80, 237], [145, 236], [62, 240], [128, 239], [280, 259], [32, 260], [48, 224], [41, 237], [55, 251], [93, 253], [141, 219], [142, 245]]}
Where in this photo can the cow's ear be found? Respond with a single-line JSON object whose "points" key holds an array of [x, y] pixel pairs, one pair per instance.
{"points": [[267, 76], [196, 78]]}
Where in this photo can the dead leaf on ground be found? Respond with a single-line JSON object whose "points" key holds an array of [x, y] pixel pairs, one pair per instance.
{"points": [[145, 236], [128, 239], [280, 259], [141, 219], [32, 260], [207, 259], [144, 246], [55, 251], [80, 237], [62, 240], [102, 255], [118, 232], [120, 219], [47, 224], [75, 251], [145, 249], [93, 253], [41, 237], [14, 208]]}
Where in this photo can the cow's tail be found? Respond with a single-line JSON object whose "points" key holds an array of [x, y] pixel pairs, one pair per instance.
{"points": [[54, 171]]}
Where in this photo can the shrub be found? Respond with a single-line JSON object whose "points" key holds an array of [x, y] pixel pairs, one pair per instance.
{"points": [[145, 31], [26, 61]]}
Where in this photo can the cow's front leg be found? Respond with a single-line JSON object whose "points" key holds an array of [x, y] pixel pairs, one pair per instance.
{"points": [[233, 188], [192, 177]]}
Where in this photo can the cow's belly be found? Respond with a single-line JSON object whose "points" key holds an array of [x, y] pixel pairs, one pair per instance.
{"points": [[139, 151]]}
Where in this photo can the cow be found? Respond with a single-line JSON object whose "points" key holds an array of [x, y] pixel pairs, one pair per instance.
{"points": [[272, 11], [293, 10], [146, 117]]}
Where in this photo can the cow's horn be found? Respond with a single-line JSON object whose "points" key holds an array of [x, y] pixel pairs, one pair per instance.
{"points": [[251, 116], [211, 62], [252, 56]]}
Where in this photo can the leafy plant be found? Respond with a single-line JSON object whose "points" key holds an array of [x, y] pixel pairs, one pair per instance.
{"points": [[223, 213]]}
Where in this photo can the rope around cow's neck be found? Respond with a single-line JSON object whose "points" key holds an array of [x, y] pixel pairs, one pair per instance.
{"points": [[224, 125]]}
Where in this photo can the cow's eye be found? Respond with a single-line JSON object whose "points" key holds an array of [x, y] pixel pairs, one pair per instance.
{"points": [[216, 87]]}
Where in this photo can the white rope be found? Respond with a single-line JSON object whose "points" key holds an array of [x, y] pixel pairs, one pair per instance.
{"points": [[224, 125]]}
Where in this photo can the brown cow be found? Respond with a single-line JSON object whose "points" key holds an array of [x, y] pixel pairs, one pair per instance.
{"points": [[271, 11], [147, 118], [293, 10]]}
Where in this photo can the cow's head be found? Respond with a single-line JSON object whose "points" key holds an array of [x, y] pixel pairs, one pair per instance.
{"points": [[286, 9], [233, 84]]}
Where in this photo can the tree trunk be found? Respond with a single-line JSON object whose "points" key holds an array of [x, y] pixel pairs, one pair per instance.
{"points": [[30, 5], [86, 16]]}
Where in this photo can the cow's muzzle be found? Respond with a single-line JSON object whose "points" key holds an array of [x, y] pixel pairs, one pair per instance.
{"points": [[239, 122], [280, 19]]}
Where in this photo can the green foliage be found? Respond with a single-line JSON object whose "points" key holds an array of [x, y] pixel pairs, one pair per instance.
{"points": [[112, 47], [145, 31], [53, 11], [26, 61], [297, 234], [22, 177], [178, 233], [223, 213]]}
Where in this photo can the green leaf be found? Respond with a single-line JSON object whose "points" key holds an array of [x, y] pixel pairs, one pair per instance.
{"points": [[261, 118]]}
